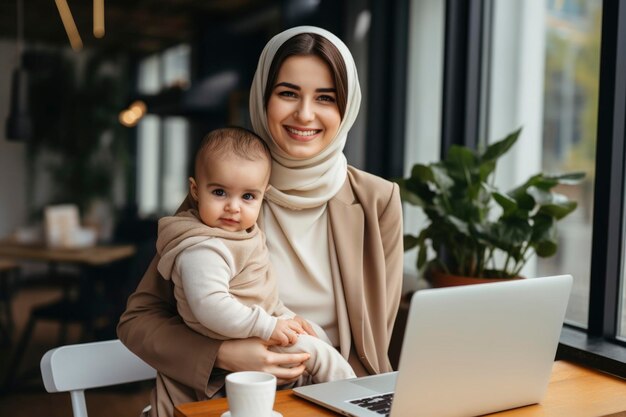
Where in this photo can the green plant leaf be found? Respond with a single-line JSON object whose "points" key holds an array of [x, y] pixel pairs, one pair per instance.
{"points": [[499, 148], [541, 182], [441, 178], [460, 157], [410, 242], [545, 248], [537, 180], [421, 256], [457, 196], [423, 173], [461, 165], [461, 226], [421, 190], [510, 234], [508, 204], [410, 197], [544, 236], [524, 201], [570, 178], [548, 181], [559, 210], [485, 169], [540, 196]]}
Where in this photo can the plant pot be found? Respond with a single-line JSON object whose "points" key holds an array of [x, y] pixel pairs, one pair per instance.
{"points": [[440, 279]]}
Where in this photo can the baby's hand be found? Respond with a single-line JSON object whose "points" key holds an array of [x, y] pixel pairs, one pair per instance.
{"points": [[286, 332], [305, 325]]}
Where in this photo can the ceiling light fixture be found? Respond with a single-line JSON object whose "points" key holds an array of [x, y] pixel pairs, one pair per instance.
{"points": [[130, 117], [18, 125], [98, 18], [69, 25]]}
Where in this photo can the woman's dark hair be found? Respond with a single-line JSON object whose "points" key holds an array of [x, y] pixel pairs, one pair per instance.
{"points": [[317, 45]]}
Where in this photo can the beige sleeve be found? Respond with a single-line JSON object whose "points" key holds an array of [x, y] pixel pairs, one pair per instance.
{"points": [[392, 236], [152, 329]]}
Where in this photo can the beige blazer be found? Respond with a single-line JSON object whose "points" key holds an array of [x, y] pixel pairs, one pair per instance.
{"points": [[365, 230]]}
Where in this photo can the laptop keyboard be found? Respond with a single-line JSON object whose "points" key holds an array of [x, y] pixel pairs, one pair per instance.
{"points": [[380, 404]]}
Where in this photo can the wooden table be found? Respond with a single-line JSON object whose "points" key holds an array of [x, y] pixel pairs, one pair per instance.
{"points": [[92, 256], [88, 299], [573, 391]]}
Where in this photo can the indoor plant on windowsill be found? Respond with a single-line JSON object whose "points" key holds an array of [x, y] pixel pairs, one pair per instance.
{"points": [[471, 221]]}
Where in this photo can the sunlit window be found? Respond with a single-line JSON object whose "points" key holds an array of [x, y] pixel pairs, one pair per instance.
{"points": [[424, 98], [149, 78], [176, 66], [545, 78], [162, 151], [174, 173], [170, 68], [148, 161]]}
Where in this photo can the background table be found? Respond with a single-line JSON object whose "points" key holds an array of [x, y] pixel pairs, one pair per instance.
{"points": [[573, 391], [93, 264], [87, 298], [93, 256]]}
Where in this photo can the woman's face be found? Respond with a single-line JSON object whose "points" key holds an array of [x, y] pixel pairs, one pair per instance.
{"points": [[302, 112]]}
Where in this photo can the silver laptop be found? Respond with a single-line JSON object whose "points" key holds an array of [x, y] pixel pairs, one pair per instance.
{"points": [[467, 351]]}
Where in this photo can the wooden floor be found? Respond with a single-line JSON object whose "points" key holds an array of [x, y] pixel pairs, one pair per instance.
{"points": [[30, 399]]}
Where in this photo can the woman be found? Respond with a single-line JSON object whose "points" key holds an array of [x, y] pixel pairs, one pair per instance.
{"points": [[334, 233]]}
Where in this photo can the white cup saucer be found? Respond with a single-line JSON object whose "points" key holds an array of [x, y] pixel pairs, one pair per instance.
{"points": [[274, 414]]}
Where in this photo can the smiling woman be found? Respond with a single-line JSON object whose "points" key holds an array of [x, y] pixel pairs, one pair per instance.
{"points": [[302, 112], [333, 233]]}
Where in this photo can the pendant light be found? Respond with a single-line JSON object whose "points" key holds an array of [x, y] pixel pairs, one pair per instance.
{"points": [[98, 18], [69, 24], [18, 124]]}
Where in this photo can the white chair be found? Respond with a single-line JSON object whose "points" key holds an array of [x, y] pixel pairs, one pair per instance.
{"points": [[75, 368]]}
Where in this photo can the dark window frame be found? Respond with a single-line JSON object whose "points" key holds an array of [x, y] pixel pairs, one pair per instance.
{"points": [[599, 346], [467, 35], [386, 102]]}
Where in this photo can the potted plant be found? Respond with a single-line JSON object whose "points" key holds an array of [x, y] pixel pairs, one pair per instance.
{"points": [[471, 221]]}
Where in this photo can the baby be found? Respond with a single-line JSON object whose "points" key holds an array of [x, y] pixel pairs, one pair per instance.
{"points": [[218, 261]]}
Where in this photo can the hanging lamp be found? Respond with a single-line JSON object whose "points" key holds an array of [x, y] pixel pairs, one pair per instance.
{"points": [[18, 124]]}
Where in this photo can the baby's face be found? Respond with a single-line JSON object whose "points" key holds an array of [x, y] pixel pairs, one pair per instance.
{"points": [[229, 191]]}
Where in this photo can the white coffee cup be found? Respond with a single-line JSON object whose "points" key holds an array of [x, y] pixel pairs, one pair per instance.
{"points": [[250, 394]]}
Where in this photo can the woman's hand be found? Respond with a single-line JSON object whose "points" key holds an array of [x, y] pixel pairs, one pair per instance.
{"points": [[253, 355]]}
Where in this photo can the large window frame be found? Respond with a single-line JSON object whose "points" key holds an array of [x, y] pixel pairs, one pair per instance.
{"points": [[599, 345], [466, 32], [163, 136]]}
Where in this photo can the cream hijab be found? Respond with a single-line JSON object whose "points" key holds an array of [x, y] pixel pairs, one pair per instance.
{"points": [[294, 217], [304, 183]]}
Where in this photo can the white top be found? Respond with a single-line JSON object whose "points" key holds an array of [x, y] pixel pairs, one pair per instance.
{"points": [[204, 270]]}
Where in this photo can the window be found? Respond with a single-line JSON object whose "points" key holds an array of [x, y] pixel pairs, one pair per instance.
{"points": [[148, 161], [163, 156], [163, 142], [571, 88], [170, 68], [174, 175], [544, 76], [149, 80], [175, 64], [557, 68], [622, 307], [566, 84], [424, 83]]}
